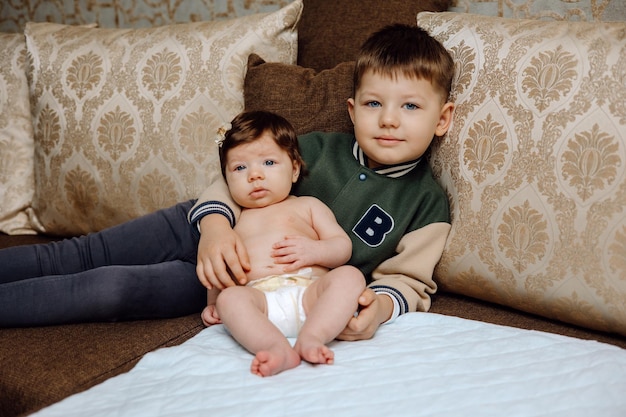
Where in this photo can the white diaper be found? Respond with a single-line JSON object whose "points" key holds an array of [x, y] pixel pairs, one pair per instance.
{"points": [[284, 299]]}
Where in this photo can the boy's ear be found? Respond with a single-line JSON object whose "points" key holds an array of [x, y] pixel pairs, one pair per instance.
{"points": [[351, 109], [445, 119]]}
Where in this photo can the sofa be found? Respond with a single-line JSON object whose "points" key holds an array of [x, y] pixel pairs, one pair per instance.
{"points": [[100, 125]]}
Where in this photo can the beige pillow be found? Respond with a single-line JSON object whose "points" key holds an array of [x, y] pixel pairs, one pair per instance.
{"points": [[17, 183], [535, 166], [125, 119]]}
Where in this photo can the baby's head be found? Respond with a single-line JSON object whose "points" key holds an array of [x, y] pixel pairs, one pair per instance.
{"points": [[249, 126], [409, 51]]}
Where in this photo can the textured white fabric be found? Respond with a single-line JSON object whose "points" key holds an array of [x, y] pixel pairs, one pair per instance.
{"points": [[423, 364]]}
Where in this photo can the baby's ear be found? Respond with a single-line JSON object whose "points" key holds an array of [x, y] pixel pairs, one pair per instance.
{"points": [[296, 172], [445, 118]]}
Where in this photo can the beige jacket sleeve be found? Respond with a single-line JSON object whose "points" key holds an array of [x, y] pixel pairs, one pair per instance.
{"points": [[410, 272]]}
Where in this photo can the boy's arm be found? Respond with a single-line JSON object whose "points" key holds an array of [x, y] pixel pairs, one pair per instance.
{"points": [[408, 276], [219, 248], [215, 199]]}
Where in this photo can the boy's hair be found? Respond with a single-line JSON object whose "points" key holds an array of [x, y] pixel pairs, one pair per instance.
{"points": [[407, 50], [249, 126]]}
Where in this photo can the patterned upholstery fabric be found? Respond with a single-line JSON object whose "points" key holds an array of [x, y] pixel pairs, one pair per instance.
{"points": [[17, 183], [574, 10], [535, 166], [125, 119], [151, 13]]}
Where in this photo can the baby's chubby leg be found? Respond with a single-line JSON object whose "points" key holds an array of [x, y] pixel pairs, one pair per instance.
{"points": [[243, 310], [330, 302]]}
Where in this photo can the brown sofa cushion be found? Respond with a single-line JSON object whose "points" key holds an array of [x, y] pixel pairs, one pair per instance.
{"points": [[311, 101], [322, 46], [43, 365]]}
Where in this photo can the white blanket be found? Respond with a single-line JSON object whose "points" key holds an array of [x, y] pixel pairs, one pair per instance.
{"points": [[420, 365]]}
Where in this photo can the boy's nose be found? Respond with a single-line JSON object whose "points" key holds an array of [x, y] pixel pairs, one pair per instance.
{"points": [[388, 119]]}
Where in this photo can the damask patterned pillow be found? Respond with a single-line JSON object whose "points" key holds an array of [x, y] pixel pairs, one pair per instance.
{"points": [[17, 183], [125, 119], [535, 166]]}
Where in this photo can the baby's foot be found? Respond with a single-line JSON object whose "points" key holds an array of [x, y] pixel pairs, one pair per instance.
{"points": [[313, 350], [267, 362]]}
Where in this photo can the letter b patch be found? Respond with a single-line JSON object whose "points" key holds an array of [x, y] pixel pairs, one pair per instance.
{"points": [[374, 226]]}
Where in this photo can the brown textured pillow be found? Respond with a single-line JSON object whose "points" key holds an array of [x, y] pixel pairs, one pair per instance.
{"points": [[311, 101], [331, 31]]}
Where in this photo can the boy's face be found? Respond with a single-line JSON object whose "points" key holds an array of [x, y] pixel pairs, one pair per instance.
{"points": [[260, 173], [395, 119]]}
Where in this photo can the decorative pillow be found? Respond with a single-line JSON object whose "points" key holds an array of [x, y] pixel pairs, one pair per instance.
{"points": [[310, 101], [332, 31], [125, 119], [17, 182], [535, 166]]}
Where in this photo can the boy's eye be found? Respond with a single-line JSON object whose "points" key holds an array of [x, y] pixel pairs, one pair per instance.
{"points": [[239, 168], [373, 103], [269, 163], [411, 106]]}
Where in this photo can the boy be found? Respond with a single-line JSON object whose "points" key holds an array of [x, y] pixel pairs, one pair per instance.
{"points": [[377, 182], [293, 243]]}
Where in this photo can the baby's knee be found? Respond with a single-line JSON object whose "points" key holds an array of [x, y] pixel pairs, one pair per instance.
{"points": [[233, 297], [229, 298], [352, 277]]}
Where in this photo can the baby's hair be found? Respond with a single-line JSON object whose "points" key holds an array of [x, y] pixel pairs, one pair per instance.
{"points": [[407, 50], [249, 126]]}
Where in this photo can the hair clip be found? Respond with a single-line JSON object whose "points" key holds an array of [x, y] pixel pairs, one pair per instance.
{"points": [[221, 134]]}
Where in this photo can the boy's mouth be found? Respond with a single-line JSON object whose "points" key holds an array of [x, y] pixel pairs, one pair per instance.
{"points": [[387, 140]]}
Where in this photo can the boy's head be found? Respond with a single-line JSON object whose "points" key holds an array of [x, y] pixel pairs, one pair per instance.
{"points": [[249, 126], [408, 50], [402, 81]]}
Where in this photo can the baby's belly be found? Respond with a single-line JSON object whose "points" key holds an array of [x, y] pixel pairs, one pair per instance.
{"points": [[266, 270]]}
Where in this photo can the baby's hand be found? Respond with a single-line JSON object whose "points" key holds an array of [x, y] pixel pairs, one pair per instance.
{"points": [[295, 252], [210, 316]]}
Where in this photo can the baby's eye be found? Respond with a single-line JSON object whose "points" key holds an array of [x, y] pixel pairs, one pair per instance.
{"points": [[373, 103], [269, 162], [239, 168], [411, 106]]}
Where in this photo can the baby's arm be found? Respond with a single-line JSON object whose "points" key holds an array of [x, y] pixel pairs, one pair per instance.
{"points": [[333, 248]]}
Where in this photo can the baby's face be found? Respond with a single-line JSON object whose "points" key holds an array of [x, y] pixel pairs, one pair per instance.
{"points": [[396, 118], [260, 173]]}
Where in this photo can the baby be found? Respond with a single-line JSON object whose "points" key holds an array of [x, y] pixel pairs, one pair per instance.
{"points": [[298, 284]]}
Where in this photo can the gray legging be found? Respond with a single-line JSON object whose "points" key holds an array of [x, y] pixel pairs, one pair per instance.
{"points": [[144, 268]]}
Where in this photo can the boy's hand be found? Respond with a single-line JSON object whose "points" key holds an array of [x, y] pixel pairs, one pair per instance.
{"points": [[374, 310], [220, 250]]}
